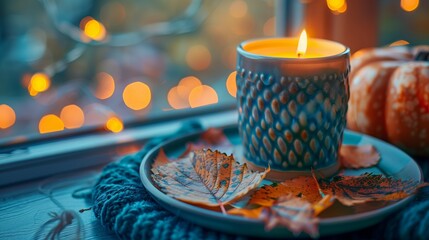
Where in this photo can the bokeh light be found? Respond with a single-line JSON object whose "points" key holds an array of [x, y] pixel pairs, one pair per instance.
{"points": [[175, 100], [137, 95], [231, 85], [39, 82], [93, 28], [72, 116], [7, 116], [335, 5], [269, 27], [178, 96], [238, 8], [198, 57], [50, 123], [409, 5], [186, 85], [105, 86], [114, 124], [343, 8], [202, 95]]}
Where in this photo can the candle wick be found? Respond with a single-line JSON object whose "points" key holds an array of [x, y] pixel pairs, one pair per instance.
{"points": [[299, 54]]}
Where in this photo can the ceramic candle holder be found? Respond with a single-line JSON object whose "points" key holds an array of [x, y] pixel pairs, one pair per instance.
{"points": [[292, 111]]}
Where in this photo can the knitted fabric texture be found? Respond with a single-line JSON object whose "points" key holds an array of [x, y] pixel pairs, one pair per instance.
{"points": [[124, 207]]}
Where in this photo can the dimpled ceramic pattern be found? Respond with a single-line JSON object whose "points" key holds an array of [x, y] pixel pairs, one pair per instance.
{"points": [[293, 123]]}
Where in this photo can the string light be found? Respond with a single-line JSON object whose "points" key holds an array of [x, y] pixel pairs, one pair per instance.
{"points": [[175, 100], [238, 8], [50, 123], [72, 116], [93, 29], [202, 95], [114, 124], [137, 95], [231, 85], [7, 116], [105, 86], [39, 82], [409, 5], [198, 57]]}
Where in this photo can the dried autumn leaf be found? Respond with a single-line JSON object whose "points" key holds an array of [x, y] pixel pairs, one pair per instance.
{"points": [[213, 138], [363, 156], [323, 204], [207, 177], [351, 190], [247, 212], [294, 213], [303, 187], [161, 159]]}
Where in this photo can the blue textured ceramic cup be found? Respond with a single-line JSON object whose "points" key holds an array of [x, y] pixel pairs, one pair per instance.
{"points": [[292, 111]]}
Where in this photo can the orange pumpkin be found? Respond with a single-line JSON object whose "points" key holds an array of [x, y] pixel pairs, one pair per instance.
{"points": [[389, 97]]}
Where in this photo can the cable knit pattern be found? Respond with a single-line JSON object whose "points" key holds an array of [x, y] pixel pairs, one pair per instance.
{"points": [[123, 206]]}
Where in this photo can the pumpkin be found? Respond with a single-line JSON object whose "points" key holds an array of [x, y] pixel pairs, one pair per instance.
{"points": [[389, 97]]}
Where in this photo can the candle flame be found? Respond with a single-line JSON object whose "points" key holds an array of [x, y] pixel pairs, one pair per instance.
{"points": [[302, 44]]}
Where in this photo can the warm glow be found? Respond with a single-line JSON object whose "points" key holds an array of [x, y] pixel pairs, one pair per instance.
{"points": [[31, 91], [198, 57], [302, 44], [39, 82], [399, 43], [105, 86], [335, 5], [93, 28], [343, 8], [186, 85], [269, 27], [175, 100], [72, 116], [137, 95], [409, 5], [7, 116], [231, 85], [238, 8], [50, 123], [202, 95], [114, 124]]}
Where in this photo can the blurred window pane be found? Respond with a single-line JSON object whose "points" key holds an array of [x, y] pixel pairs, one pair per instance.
{"points": [[70, 65]]}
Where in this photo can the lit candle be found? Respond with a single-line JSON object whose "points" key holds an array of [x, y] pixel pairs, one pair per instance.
{"points": [[292, 99]]}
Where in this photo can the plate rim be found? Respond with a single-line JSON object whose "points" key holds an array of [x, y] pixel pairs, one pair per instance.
{"points": [[158, 195]]}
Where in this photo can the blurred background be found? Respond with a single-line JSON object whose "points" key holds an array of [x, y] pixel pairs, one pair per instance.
{"points": [[75, 66]]}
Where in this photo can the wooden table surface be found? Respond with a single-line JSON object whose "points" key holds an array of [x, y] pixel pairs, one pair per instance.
{"points": [[24, 208]]}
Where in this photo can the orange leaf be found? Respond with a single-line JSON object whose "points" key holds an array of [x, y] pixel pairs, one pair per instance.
{"points": [[351, 190], [358, 156], [161, 159], [323, 204], [206, 177], [246, 212], [303, 187], [294, 213]]}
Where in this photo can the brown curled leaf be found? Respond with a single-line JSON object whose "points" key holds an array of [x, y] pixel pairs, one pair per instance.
{"points": [[362, 156], [351, 190], [303, 187], [293, 213]]}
